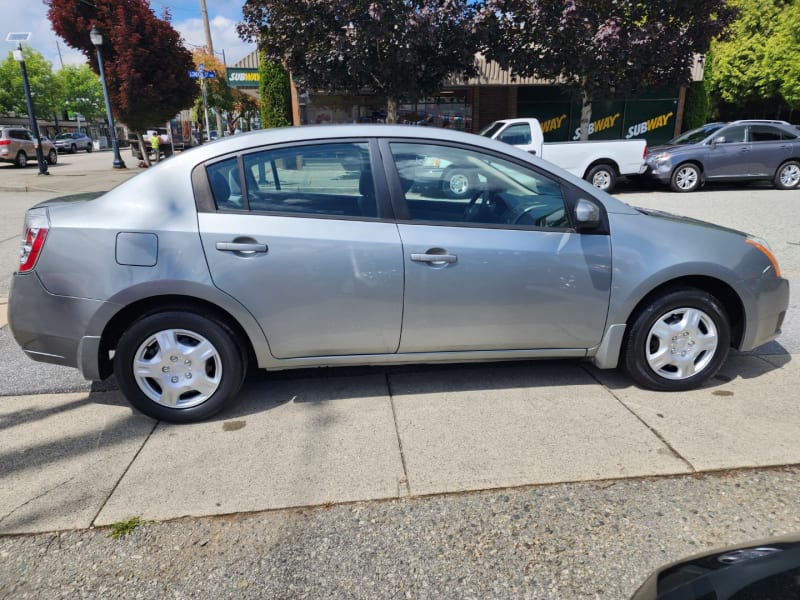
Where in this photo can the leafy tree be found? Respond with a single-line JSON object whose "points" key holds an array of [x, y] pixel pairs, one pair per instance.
{"points": [[602, 48], [401, 49], [45, 89], [219, 95], [275, 93], [146, 67], [81, 91], [757, 70], [245, 107]]}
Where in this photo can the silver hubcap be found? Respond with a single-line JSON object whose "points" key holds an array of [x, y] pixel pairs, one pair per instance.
{"points": [[177, 368], [601, 180], [681, 343], [459, 184], [790, 176], [686, 178]]}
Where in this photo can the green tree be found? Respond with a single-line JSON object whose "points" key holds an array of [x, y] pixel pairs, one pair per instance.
{"points": [[756, 71], [82, 91], [275, 93], [397, 48], [45, 89], [602, 48]]}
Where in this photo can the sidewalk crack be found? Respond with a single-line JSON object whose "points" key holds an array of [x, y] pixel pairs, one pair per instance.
{"points": [[404, 485]]}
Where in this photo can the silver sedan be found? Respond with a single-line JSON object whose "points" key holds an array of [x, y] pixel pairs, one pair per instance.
{"points": [[324, 246]]}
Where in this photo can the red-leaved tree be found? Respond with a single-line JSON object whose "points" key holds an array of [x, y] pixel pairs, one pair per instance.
{"points": [[146, 65]]}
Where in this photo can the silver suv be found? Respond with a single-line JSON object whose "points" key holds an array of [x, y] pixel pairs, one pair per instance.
{"points": [[18, 146], [738, 151]]}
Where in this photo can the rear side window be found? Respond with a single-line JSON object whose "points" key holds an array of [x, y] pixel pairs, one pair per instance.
{"points": [[224, 179], [764, 133], [320, 179]]}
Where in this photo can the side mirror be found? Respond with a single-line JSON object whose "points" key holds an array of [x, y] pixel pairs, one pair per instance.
{"points": [[717, 141], [587, 214]]}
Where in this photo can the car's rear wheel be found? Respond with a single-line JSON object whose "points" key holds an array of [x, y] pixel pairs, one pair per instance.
{"points": [[179, 366], [677, 340], [686, 178], [603, 177], [52, 157], [22, 160], [788, 175]]}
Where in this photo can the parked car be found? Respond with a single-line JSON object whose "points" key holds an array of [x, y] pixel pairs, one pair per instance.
{"points": [[315, 246], [18, 146], [737, 151], [763, 570], [73, 141], [600, 163]]}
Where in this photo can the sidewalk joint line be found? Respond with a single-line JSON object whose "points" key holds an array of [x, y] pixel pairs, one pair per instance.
{"points": [[406, 480], [122, 476], [652, 429]]}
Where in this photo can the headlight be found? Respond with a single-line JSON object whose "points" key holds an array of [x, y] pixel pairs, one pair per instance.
{"points": [[762, 245]]}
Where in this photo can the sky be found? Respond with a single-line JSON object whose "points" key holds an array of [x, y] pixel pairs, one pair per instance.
{"points": [[187, 19]]}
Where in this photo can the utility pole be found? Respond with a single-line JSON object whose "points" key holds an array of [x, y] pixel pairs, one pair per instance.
{"points": [[210, 46]]}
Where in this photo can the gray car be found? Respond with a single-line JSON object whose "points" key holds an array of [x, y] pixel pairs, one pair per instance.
{"points": [[73, 141], [317, 246], [733, 152]]}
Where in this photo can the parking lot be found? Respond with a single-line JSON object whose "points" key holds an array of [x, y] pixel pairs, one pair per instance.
{"points": [[73, 455]]}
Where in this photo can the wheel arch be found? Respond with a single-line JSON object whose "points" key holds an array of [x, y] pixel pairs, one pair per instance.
{"points": [[115, 327], [726, 295], [601, 161]]}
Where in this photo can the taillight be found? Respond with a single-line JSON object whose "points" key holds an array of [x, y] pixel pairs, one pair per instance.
{"points": [[5, 142], [33, 236], [644, 154]]}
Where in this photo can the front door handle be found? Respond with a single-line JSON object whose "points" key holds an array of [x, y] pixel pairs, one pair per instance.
{"points": [[435, 259], [248, 247]]}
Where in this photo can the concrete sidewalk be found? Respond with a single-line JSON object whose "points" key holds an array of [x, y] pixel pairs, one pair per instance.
{"points": [[72, 174], [312, 438]]}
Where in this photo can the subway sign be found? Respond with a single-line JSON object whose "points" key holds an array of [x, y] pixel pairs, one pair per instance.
{"points": [[243, 77]]}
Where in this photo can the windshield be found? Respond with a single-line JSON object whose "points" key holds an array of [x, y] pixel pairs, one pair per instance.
{"points": [[490, 130], [695, 136], [64, 136]]}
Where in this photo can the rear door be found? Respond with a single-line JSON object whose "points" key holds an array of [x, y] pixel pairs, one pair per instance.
{"points": [[297, 235], [769, 148]]}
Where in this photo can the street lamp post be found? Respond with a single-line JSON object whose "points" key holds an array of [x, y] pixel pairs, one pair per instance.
{"points": [[97, 40], [31, 116]]}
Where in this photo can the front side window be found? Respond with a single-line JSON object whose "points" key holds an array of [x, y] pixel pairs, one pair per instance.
{"points": [[322, 179], [518, 134], [732, 135], [454, 185]]}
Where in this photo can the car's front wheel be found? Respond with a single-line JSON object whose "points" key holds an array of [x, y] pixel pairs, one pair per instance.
{"points": [[788, 175], [73, 149], [179, 366], [52, 157], [677, 340], [686, 178]]}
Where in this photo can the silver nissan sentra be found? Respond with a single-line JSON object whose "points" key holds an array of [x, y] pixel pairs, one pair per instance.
{"points": [[324, 246]]}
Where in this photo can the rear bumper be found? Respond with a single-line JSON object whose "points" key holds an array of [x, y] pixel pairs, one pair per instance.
{"points": [[53, 329]]}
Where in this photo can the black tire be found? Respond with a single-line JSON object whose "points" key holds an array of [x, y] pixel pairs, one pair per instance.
{"points": [[676, 341], [21, 160], [603, 177], [458, 183], [686, 178], [89, 147], [52, 157], [202, 387], [73, 149], [787, 177]]}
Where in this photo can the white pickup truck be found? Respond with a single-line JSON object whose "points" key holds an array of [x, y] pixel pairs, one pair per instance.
{"points": [[599, 163]]}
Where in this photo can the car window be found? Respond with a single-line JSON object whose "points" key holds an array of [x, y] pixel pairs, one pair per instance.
{"points": [[517, 134], [321, 179], [764, 133], [454, 185], [732, 135], [224, 179]]}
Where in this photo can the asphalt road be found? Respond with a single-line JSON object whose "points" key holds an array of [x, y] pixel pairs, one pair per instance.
{"points": [[586, 539]]}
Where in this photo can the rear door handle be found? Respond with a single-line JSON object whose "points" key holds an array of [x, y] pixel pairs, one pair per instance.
{"points": [[248, 247], [437, 259]]}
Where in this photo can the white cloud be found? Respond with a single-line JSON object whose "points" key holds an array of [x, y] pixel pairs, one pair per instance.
{"points": [[31, 16], [223, 37]]}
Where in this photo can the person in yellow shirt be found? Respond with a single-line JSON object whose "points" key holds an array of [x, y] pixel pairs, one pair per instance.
{"points": [[154, 144]]}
